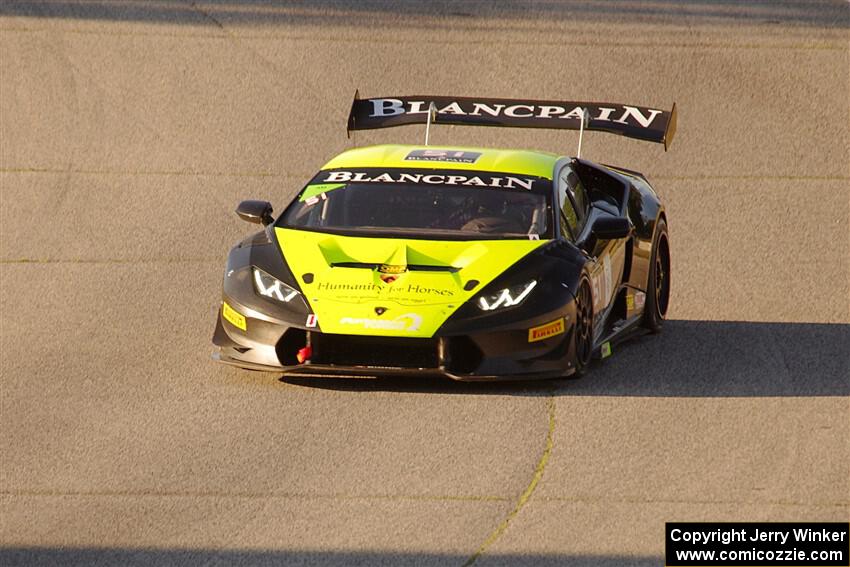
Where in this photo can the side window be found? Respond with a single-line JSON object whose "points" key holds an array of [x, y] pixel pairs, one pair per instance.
{"points": [[579, 195], [569, 218]]}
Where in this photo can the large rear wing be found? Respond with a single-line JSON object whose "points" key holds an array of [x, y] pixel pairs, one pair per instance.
{"points": [[639, 122]]}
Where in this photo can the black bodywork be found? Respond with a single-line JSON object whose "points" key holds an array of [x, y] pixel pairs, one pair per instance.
{"points": [[471, 344]]}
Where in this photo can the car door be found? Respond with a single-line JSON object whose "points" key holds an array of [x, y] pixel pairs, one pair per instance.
{"points": [[606, 258]]}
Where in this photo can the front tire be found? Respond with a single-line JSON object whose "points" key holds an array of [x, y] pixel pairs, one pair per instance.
{"points": [[583, 329], [658, 287]]}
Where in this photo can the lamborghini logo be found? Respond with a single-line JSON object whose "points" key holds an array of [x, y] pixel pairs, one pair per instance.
{"points": [[390, 273]]}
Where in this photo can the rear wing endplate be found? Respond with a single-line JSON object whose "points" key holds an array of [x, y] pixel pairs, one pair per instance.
{"points": [[639, 122]]}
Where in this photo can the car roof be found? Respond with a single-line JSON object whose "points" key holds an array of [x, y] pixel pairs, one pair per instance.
{"points": [[538, 164]]}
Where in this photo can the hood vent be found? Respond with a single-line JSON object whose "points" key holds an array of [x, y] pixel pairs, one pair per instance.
{"points": [[410, 267]]}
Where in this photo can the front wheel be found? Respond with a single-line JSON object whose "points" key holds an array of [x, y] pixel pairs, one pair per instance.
{"points": [[583, 328], [658, 288]]}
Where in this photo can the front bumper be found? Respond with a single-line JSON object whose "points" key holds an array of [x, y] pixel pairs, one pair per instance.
{"points": [[489, 355]]}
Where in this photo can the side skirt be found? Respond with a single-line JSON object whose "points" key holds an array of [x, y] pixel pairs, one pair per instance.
{"points": [[621, 331]]}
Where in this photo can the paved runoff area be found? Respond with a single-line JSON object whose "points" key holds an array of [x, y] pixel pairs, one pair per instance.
{"points": [[130, 130]]}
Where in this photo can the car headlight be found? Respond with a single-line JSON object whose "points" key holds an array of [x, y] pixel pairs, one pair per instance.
{"points": [[507, 297], [269, 286]]}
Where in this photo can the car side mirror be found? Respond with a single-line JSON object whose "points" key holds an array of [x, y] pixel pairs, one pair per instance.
{"points": [[258, 212], [610, 228]]}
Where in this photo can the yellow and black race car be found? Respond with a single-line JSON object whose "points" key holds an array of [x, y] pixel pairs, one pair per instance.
{"points": [[470, 263]]}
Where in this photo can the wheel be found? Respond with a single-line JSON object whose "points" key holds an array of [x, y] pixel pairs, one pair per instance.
{"points": [[658, 288], [583, 331]]}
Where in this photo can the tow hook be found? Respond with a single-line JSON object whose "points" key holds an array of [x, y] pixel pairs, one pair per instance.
{"points": [[304, 354]]}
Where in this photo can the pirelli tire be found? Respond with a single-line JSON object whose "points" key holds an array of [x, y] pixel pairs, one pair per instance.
{"points": [[658, 286], [583, 328]]}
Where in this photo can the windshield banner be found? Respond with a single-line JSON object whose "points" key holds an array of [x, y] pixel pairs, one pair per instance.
{"points": [[461, 178]]}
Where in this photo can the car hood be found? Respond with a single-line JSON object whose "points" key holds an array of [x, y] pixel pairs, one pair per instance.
{"points": [[392, 286]]}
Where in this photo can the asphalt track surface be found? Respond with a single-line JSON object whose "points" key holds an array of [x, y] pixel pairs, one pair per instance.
{"points": [[130, 130]]}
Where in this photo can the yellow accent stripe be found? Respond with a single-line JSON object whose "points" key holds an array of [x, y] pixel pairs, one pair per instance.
{"points": [[529, 490]]}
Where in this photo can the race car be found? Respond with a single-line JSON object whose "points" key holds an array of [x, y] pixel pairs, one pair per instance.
{"points": [[467, 263]]}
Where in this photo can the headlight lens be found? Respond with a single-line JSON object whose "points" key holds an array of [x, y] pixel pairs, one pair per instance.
{"points": [[507, 297], [269, 286]]}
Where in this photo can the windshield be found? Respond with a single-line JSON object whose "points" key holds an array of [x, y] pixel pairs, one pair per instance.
{"points": [[429, 203]]}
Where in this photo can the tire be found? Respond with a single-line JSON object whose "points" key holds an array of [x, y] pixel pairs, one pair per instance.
{"points": [[658, 286], [583, 329]]}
